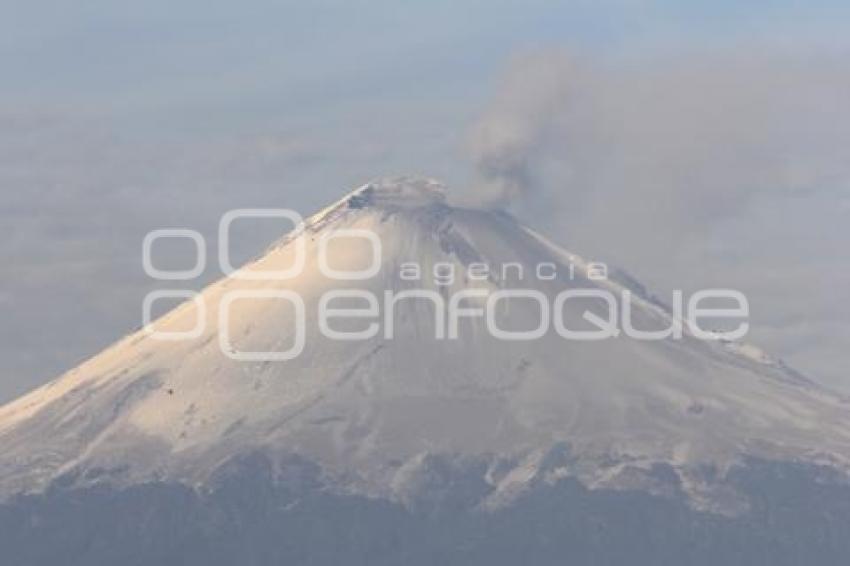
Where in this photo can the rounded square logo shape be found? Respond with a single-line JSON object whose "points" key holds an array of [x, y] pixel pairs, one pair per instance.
{"points": [[224, 244], [262, 294], [174, 275], [358, 275], [147, 310]]}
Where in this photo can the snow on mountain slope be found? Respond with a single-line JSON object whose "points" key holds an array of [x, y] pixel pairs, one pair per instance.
{"points": [[371, 412]]}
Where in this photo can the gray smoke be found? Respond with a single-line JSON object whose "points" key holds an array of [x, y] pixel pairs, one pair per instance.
{"points": [[512, 137]]}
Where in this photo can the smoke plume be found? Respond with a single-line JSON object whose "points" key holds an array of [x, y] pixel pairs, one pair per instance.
{"points": [[510, 139]]}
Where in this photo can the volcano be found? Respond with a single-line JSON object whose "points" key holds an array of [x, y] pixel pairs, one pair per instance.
{"points": [[261, 438]]}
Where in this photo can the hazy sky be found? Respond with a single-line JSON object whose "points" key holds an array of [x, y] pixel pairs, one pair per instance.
{"points": [[700, 143]]}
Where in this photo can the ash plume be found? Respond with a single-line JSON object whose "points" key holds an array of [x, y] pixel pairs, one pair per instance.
{"points": [[507, 142]]}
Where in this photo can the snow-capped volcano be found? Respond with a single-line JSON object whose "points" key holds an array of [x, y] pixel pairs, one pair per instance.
{"points": [[371, 412]]}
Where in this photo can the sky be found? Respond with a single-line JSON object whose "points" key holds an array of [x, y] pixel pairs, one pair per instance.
{"points": [[694, 144]]}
